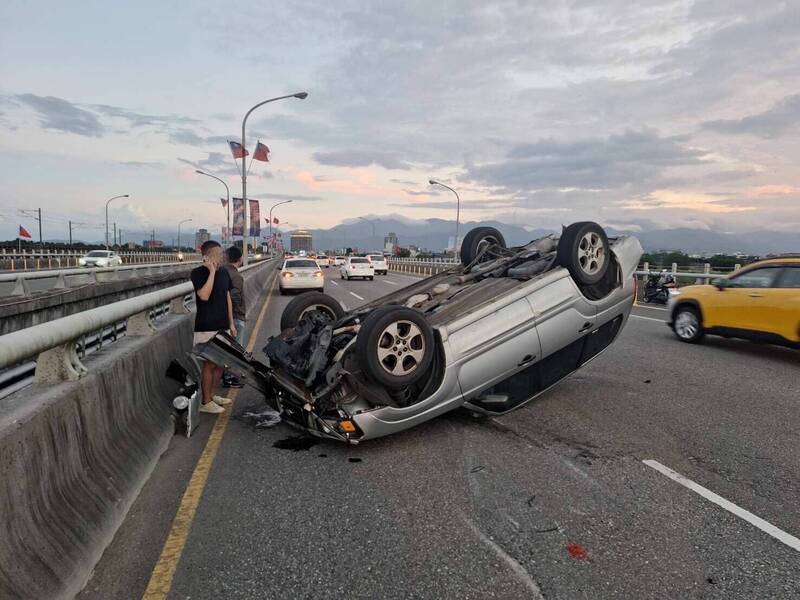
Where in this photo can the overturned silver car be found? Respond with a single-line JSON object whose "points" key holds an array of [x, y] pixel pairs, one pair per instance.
{"points": [[490, 334]]}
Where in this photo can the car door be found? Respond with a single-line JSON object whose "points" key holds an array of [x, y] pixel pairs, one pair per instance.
{"points": [[785, 301], [745, 302]]}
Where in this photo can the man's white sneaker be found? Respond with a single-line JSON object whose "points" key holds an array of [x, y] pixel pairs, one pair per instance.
{"points": [[211, 408], [222, 400]]}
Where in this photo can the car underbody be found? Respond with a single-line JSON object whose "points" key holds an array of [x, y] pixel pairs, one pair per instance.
{"points": [[489, 334]]}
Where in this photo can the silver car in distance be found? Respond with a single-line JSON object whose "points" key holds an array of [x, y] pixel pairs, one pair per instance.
{"points": [[490, 335]]}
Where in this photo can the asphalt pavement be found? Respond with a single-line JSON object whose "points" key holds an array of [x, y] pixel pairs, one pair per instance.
{"points": [[550, 501]]}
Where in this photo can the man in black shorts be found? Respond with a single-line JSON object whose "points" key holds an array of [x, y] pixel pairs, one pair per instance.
{"points": [[212, 287]]}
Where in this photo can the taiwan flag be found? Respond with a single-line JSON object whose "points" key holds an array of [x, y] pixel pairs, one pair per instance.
{"points": [[275, 220], [24, 233], [261, 153], [238, 150]]}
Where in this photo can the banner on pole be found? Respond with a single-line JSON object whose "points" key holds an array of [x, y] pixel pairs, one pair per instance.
{"points": [[238, 216], [255, 218]]}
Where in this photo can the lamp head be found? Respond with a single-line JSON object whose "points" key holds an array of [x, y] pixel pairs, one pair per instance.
{"points": [[301, 95], [432, 181]]}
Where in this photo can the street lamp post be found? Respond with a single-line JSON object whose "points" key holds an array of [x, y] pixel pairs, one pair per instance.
{"points": [[270, 217], [371, 222], [227, 191], [179, 232], [458, 209], [107, 203], [246, 229]]}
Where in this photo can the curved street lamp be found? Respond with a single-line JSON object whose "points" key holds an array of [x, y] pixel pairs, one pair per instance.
{"points": [[246, 228], [179, 232], [227, 191], [371, 222], [107, 203], [458, 209], [270, 217]]}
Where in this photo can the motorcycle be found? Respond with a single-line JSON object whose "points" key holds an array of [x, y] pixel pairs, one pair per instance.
{"points": [[657, 289]]}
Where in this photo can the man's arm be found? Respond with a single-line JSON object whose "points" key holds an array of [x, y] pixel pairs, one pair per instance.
{"points": [[204, 293], [231, 324]]}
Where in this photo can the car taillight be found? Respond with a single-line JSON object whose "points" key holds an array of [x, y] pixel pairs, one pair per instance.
{"points": [[287, 274], [318, 274]]}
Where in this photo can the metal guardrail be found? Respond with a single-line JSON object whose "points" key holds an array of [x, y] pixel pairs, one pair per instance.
{"points": [[19, 282], [60, 344]]}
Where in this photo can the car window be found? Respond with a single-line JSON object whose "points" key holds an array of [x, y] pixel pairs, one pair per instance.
{"points": [[375, 257], [790, 278], [358, 260], [756, 278], [300, 264], [98, 253]]}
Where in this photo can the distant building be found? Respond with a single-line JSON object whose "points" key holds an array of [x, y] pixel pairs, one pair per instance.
{"points": [[390, 241], [201, 237], [301, 240]]}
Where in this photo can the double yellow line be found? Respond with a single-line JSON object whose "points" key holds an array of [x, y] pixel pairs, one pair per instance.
{"points": [[164, 571]]}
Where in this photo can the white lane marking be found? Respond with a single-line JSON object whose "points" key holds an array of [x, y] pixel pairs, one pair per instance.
{"points": [[648, 318], [763, 525], [356, 295], [650, 307], [389, 282], [333, 282]]}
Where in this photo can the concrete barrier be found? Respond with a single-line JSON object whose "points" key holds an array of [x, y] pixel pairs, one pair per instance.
{"points": [[74, 455]]}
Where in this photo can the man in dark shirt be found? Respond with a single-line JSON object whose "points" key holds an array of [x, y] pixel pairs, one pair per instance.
{"points": [[234, 256], [212, 286]]}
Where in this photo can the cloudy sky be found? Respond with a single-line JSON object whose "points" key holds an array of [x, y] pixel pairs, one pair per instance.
{"points": [[641, 115]]}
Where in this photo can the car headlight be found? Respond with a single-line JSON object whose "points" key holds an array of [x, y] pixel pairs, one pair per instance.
{"points": [[674, 292], [81, 261], [180, 402]]}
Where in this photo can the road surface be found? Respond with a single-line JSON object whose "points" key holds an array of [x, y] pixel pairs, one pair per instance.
{"points": [[551, 501]]}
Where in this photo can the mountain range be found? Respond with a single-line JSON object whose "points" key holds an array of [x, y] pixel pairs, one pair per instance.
{"points": [[433, 234]]}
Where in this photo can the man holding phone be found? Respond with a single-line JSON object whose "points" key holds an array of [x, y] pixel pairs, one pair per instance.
{"points": [[212, 287]]}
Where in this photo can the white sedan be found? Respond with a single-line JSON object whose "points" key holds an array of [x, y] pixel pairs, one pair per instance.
{"points": [[357, 266], [100, 258], [301, 274], [378, 261], [338, 261]]}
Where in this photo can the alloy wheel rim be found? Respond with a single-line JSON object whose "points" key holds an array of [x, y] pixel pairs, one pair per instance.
{"points": [[591, 253], [317, 308], [686, 325], [401, 347]]}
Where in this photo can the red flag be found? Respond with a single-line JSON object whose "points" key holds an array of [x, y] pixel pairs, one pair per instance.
{"points": [[237, 150], [261, 153], [24, 232]]}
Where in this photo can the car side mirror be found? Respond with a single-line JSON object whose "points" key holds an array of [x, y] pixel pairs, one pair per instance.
{"points": [[721, 283]]}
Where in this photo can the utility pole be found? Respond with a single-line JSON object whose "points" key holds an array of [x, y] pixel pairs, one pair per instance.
{"points": [[115, 233], [120, 238], [41, 245], [70, 234]]}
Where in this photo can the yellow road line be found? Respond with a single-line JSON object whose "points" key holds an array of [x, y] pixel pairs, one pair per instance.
{"points": [[164, 571]]}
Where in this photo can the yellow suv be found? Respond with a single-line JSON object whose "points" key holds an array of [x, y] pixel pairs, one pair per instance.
{"points": [[760, 302]]}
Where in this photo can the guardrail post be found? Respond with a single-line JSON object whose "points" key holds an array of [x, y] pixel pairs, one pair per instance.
{"points": [[21, 287], [737, 266], [178, 306], [59, 364], [141, 324]]}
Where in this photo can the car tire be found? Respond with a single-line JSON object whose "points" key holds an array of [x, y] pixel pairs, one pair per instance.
{"points": [[687, 324], [476, 240], [395, 346], [584, 251], [308, 302], [371, 278]]}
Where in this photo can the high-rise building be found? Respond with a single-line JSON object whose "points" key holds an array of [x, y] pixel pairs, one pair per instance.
{"points": [[201, 237], [390, 241], [301, 240]]}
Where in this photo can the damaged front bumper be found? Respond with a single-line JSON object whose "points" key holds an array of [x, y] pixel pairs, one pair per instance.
{"points": [[296, 405]]}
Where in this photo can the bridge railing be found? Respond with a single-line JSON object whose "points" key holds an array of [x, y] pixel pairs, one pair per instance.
{"points": [[52, 352], [425, 268], [12, 260], [20, 283]]}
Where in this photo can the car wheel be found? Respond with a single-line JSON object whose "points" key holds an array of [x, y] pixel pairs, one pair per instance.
{"points": [[395, 346], [687, 324], [371, 278], [583, 250], [308, 303], [477, 240]]}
